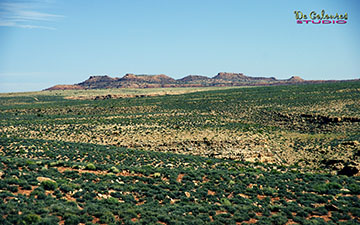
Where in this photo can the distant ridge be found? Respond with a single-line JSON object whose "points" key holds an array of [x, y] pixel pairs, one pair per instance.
{"points": [[191, 78], [161, 80], [66, 87], [296, 79]]}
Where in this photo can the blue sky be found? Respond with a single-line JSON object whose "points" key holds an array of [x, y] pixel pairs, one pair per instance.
{"points": [[48, 42]]}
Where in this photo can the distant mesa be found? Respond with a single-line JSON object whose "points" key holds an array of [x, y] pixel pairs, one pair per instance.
{"points": [[190, 78], [100, 78], [241, 77], [161, 80], [296, 79], [95, 82], [230, 76]]}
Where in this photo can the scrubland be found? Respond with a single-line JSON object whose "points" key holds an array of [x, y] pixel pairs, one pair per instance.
{"points": [[275, 154]]}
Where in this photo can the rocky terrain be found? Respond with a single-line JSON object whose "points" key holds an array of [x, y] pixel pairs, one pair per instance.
{"points": [[162, 80]]}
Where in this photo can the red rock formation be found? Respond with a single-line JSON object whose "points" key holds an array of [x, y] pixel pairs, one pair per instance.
{"points": [[295, 79], [65, 87], [192, 78], [230, 76], [161, 78], [156, 81]]}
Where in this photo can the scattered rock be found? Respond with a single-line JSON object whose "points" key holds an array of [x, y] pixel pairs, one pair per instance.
{"points": [[344, 190], [41, 179], [157, 175]]}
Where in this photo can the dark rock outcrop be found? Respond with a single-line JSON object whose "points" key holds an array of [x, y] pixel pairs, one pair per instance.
{"points": [[352, 169]]}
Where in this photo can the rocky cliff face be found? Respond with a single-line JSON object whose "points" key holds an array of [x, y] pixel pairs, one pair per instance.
{"points": [[231, 76], [95, 82], [194, 78], [162, 80], [296, 79], [152, 79]]}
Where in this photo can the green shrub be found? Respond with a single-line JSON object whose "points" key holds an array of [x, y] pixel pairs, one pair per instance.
{"points": [[49, 220], [354, 188], [31, 218], [90, 166], [107, 218], [49, 185], [240, 216], [333, 185], [315, 221], [231, 182], [327, 188], [114, 169], [225, 202], [13, 188], [278, 219], [66, 188], [111, 200], [71, 219]]}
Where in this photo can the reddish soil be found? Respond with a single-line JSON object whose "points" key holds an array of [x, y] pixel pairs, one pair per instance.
{"points": [[326, 218], [261, 197], [25, 192], [217, 212], [173, 201], [205, 179], [69, 198], [123, 173], [211, 218], [180, 177], [251, 221], [290, 222], [61, 222], [244, 196]]}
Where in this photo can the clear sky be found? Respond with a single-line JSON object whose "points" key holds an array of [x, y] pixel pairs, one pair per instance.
{"points": [[48, 42]]}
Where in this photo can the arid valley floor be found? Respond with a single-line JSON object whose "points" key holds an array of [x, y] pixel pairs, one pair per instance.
{"points": [[206, 155]]}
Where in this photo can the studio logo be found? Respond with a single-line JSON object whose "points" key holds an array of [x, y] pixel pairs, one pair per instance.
{"points": [[320, 18]]}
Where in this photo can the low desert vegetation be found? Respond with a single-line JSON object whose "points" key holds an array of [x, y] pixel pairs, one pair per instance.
{"points": [[265, 155]]}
